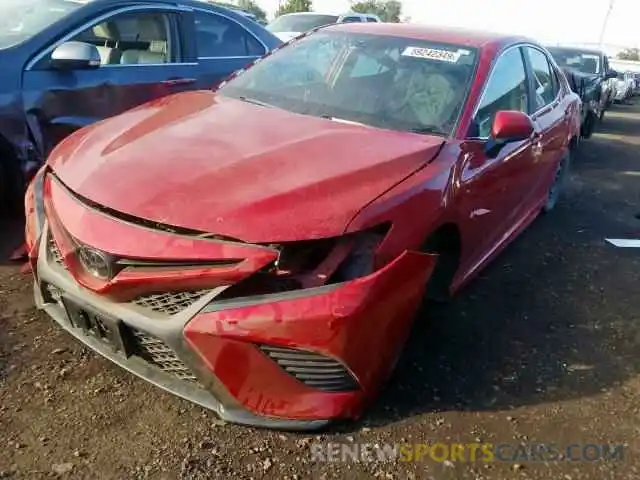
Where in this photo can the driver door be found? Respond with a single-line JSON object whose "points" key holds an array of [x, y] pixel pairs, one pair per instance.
{"points": [[491, 188], [141, 59]]}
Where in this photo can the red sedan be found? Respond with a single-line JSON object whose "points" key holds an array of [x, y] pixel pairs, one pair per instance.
{"points": [[261, 250]]}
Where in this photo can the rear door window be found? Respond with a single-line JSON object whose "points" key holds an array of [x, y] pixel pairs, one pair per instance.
{"points": [[543, 81], [220, 37]]}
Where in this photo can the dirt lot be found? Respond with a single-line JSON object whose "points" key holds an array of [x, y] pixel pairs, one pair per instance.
{"points": [[543, 347]]}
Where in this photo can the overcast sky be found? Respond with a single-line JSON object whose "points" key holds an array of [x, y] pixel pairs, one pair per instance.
{"points": [[578, 21]]}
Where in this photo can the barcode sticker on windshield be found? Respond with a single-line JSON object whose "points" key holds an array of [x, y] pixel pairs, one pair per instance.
{"points": [[432, 54]]}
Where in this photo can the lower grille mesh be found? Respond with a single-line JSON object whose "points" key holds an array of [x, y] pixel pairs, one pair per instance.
{"points": [[156, 352], [170, 303], [54, 252], [312, 369]]}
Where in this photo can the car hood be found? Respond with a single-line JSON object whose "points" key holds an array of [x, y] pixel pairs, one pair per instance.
{"points": [[584, 84], [214, 164], [586, 77]]}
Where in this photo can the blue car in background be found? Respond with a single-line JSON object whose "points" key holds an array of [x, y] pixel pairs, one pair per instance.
{"points": [[65, 64]]}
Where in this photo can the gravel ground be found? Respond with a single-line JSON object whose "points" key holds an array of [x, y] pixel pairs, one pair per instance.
{"points": [[543, 347]]}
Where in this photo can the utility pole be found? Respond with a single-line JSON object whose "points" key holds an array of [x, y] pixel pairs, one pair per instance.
{"points": [[604, 23]]}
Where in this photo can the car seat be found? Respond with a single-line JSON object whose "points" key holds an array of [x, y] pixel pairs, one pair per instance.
{"points": [[151, 31], [590, 65], [104, 39], [426, 92]]}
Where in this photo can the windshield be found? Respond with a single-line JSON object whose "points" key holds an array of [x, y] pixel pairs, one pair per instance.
{"points": [[388, 82], [585, 62], [22, 19], [300, 22]]}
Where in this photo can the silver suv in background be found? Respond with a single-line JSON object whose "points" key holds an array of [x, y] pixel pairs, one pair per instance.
{"points": [[291, 25]]}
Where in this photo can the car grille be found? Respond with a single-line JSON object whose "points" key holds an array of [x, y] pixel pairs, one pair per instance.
{"points": [[170, 303], [54, 252], [312, 369], [160, 355]]}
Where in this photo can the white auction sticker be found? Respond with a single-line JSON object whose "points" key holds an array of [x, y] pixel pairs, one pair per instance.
{"points": [[432, 54]]}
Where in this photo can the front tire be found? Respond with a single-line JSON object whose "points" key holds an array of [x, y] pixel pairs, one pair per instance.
{"points": [[589, 125], [438, 285], [558, 184]]}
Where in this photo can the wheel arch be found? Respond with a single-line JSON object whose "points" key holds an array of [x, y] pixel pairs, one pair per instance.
{"points": [[446, 242]]}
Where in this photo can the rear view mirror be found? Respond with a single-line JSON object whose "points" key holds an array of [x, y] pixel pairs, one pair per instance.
{"points": [[508, 126], [611, 74], [75, 56], [511, 126]]}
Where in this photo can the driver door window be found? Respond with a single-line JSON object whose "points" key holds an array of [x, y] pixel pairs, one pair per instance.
{"points": [[506, 89], [131, 38]]}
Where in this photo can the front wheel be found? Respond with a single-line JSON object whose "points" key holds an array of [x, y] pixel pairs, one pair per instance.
{"points": [[558, 183], [601, 116], [447, 247], [589, 125]]}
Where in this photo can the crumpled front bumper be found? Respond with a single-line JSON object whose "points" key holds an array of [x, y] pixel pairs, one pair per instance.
{"points": [[215, 345]]}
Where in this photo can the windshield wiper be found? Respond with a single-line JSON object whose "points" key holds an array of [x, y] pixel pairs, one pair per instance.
{"points": [[343, 120], [254, 101], [425, 130]]}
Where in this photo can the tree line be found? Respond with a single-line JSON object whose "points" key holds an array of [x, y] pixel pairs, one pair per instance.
{"points": [[387, 10], [629, 54]]}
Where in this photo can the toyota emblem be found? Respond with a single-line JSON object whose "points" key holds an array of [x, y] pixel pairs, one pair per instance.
{"points": [[95, 262]]}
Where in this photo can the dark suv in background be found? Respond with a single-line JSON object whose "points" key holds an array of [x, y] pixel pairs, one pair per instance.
{"points": [[67, 64], [589, 75]]}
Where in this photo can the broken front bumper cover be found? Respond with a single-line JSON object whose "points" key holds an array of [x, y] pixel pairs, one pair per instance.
{"points": [[217, 341]]}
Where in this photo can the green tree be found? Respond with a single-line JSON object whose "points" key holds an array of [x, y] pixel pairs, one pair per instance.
{"points": [[252, 7], [293, 6], [629, 54], [387, 10]]}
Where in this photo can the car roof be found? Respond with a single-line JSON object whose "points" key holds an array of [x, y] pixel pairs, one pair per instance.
{"points": [[575, 49], [457, 36], [212, 5], [190, 3]]}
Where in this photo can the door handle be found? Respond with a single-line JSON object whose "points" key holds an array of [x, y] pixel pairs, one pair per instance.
{"points": [[536, 146], [174, 82]]}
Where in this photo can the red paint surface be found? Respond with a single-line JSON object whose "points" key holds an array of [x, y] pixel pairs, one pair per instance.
{"points": [[265, 175], [243, 169], [72, 222], [511, 124], [363, 323]]}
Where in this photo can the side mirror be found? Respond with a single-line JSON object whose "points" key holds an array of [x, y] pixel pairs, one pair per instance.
{"points": [[508, 126], [75, 56], [611, 74]]}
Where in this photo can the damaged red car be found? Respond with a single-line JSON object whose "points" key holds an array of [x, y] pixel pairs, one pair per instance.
{"points": [[262, 250]]}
